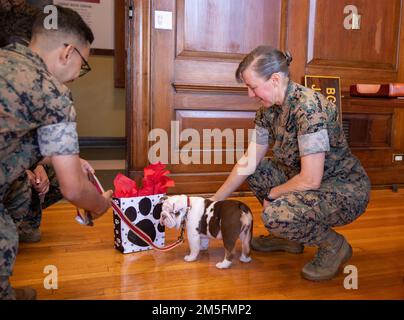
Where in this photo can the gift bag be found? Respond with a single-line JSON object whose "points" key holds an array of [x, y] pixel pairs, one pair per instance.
{"points": [[143, 212], [141, 207]]}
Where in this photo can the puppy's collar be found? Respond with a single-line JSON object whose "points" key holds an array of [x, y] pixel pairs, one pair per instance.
{"points": [[187, 209], [184, 219]]}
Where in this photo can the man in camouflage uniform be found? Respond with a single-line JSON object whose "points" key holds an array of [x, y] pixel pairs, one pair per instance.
{"points": [[312, 182], [37, 123], [38, 188]]}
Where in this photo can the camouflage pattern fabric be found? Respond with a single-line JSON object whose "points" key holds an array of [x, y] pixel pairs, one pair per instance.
{"points": [[8, 242], [23, 202], [306, 124], [30, 98], [6, 291], [37, 117]]}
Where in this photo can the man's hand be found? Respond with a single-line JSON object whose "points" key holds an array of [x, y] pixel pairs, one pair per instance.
{"points": [[39, 180], [75, 186], [107, 195]]}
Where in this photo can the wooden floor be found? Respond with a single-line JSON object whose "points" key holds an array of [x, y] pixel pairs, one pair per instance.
{"points": [[90, 268]]}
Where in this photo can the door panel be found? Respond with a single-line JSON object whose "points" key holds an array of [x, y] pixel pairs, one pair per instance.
{"points": [[380, 21], [193, 81], [186, 75], [226, 27], [366, 55]]}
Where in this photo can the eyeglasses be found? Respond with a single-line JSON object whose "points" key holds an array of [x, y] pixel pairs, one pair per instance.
{"points": [[85, 67]]}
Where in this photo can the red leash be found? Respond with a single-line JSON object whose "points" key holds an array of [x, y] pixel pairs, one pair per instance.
{"points": [[139, 232]]}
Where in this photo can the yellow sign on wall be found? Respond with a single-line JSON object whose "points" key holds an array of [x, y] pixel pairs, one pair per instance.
{"points": [[328, 86]]}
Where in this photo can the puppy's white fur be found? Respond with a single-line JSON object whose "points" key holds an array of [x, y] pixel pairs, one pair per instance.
{"points": [[173, 213]]}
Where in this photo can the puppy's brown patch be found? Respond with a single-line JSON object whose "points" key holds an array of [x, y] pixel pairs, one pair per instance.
{"points": [[227, 219], [203, 225], [214, 222], [207, 204]]}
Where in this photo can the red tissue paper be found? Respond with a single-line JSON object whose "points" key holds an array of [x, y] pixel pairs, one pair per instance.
{"points": [[155, 181]]}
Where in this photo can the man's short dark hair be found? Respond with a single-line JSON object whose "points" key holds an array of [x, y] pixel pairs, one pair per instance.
{"points": [[69, 22]]}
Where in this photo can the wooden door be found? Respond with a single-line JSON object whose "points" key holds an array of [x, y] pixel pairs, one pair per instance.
{"points": [[369, 54], [185, 84], [186, 75]]}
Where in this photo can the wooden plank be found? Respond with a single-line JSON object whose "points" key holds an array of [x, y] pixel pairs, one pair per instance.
{"points": [[90, 268]]}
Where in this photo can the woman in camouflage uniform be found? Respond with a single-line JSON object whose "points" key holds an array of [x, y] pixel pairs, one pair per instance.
{"points": [[313, 182]]}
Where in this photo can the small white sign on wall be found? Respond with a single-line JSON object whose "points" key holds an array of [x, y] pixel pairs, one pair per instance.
{"points": [[163, 20]]}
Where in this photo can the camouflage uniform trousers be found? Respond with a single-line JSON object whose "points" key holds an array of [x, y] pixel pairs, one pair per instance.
{"points": [[23, 202], [21, 211], [307, 216], [8, 250]]}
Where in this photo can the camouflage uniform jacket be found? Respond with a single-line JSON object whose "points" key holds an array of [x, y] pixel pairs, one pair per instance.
{"points": [[37, 117], [307, 123]]}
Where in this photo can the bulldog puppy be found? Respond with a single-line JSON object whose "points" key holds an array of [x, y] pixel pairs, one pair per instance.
{"points": [[227, 220]]}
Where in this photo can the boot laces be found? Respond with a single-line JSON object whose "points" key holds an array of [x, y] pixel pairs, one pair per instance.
{"points": [[321, 256]]}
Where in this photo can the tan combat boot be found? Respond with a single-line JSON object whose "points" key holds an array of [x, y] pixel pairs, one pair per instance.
{"points": [[29, 236], [270, 243], [331, 254]]}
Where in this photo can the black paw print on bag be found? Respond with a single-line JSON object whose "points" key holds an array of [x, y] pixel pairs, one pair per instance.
{"points": [[145, 215]]}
